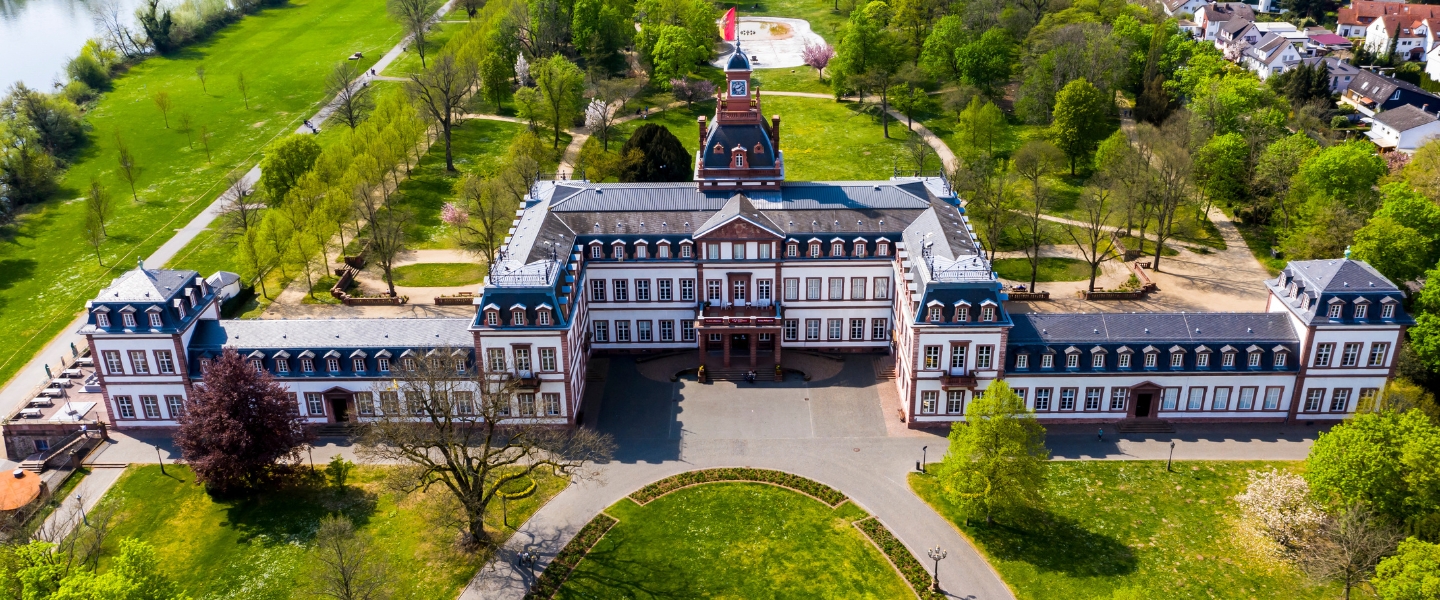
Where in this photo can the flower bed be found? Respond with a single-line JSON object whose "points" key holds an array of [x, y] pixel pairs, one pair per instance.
{"points": [[549, 582], [525, 490], [900, 556], [819, 491]]}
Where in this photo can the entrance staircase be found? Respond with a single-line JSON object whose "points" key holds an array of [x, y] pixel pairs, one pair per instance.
{"points": [[737, 374], [333, 430], [1145, 426]]}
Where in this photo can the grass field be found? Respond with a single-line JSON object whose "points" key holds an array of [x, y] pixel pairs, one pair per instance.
{"points": [[409, 61], [798, 79], [1130, 530], [439, 274], [1051, 269], [734, 540], [47, 273], [259, 547]]}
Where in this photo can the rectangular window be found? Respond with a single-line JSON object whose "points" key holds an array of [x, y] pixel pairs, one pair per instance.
{"points": [[857, 288], [1042, 398], [390, 403], [1247, 399], [1118, 396], [1022, 361], [358, 364], [1334, 312], [166, 363], [597, 290], [465, 401], [622, 290], [1221, 399], [522, 360], [764, 249], [1351, 355], [151, 405], [642, 331], [1387, 311], [737, 252], [882, 288], [928, 400], [984, 356], [127, 407], [812, 288], [1378, 352], [1177, 360], [1280, 360], [1170, 398], [642, 251], [737, 291], [176, 405], [1150, 359], [382, 363], [1322, 354], [687, 290], [687, 330], [332, 364], [1092, 398], [1313, 398], [1124, 360], [622, 331], [282, 365], [955, 402], [1097, 361], [138, 363], [1227, 359], [415, 401], [642, 290], [792, 289], [113, 364], [1047, 361], [155, 320], [1197, 399], [128, 319], [1367, 399], [664, 290], [1272, 398], [602, 331], [315, 402], [835, 329], [879, 329], [527, 404], [552, 404], [932, 357], [792, 329], [812, 329], [713, 290], [667, 331], [496, 359], [662, 251], [1067, 398], [1340, 400], [1072, 360], [763, 288], [596, 251], [1361, 310], [957, 358], [1254, 359], [712, 251], [547, 359], [837, 288], [857, 329], [365, 403], [1202, 359], [987, 313], [685, 250]]}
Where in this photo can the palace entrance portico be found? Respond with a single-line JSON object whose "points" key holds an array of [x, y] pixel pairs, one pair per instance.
{"points": [[724, 332]]}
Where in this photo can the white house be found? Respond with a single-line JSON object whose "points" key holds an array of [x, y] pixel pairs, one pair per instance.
{"points": [[1409, 35], [1274, 54], [1215, 15], [1183, 7], [1405, 128]]}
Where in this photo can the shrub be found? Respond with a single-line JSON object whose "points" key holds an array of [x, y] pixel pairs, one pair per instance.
{"points": [[1279, 505], [909, 567], [819, 491], [549, 582]]}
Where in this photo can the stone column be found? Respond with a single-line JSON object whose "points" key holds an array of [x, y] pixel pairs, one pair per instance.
{"points": [[725, 345], [704, 339]]}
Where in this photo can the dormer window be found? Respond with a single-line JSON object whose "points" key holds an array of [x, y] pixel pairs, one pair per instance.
{"points": [[1072, 360], [204, 366], [685, 251], [1387, 311], [1227, 359], [409, 364], [837, 249], [307, 365], [642, 251], [987, 313], [814, 249], [1022, 361], [1177, 360], [1097, 360], [1151, 359], [542, 317], [1047, 361], [1305, 302], [102, 320], [1123, 361], [859, 249], [128, 319], [717, 149], [332, 364], [257, 364], [357, 365], [1202, 359], [596, 251], [1334, 311], [492, 318], [180, 307], [282, 365], [1361, 310], [662, 251], [962, 314], [1293, 289], [882, 248], [739, 160], [792, 250], [517, 317], [934, 314], [1279, 360], [1254, 359], [155, 320]]}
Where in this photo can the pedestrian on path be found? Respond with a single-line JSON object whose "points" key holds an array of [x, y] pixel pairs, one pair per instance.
{"points": [[1100, 437]]}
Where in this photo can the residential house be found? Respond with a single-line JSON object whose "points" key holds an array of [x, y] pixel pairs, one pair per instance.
{"points": [[1183, 7], [1214, 16], [1404, 129], [1353, 20], [1273, 55], [1371, 93], [1409, 34], [1341, 72]]}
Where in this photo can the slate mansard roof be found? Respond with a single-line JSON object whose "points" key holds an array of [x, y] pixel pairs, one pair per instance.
{"points": [[1188, 334], [744, 136], [1309, 287], [346, 339], [144, 292]]}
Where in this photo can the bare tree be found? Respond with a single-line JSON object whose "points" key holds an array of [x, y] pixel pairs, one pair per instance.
{"points": [[387, 225], [463, 425], [1171, 165], [918, 152], [244, 88], [186, 126], [99, 203], [110, 19], [441, 91], [162, 102], [205, 141], [987, 182], [352, 96], [347, 567], [482, 216], [243, 210], [414, 17], [200, 74], [1034, 160], [1347, 547], [1092, 237], [94, 235], [129, 170]]}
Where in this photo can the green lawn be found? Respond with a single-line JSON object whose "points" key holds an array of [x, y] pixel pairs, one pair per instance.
{"points": [[479, 147], [1051, 269], [258, 547], [409, 61], [734, 540], [47, 273], [798, 79], [1130, 530], [439, 274]]}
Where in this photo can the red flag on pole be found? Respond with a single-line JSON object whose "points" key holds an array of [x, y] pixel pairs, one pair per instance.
{"points": [[727, 25]]}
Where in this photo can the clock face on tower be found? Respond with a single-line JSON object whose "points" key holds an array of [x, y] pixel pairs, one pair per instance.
{"points": [[738, 87]]}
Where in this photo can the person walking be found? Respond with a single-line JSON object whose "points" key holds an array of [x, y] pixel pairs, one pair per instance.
{"points": [[1100, 436]]}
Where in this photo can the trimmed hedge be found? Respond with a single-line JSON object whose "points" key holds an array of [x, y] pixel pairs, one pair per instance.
{"points": [[900, 556], [559, 569], [524, 491], [819, 491]]}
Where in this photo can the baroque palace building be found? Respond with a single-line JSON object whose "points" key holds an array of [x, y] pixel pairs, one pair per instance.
{"points": [[741, 266]]}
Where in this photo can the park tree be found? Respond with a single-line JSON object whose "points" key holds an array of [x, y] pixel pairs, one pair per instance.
{"points": [[1220, 169], [662, 156], [286, 161], [53, 120], [129, 169], [243, 87], [200, 74], [1153, 104], [690, 91], [1277, 504], [1423, 170], [241, 429], [696, 17], [162, 102], [1345, 172], [1412, 573], [609, 96], [351, 95], [386, 224], [909, 99], [27, 172], [937, 56], [996, 462], [456, 425], [441, 92], [1092, 237], [1347, 546], [1397, 251], [1033, 161], [1303, 84], [346, 563], [94, 233], [867, 47], [495, 74], [674, 53], [561, 86], [1082, 115], [1387, 461], [986, 62], [100, 204], [599, 29], [414, 17], [1276, 167], [481, 215], [1171, 166], [817, 56], [157, 25]]}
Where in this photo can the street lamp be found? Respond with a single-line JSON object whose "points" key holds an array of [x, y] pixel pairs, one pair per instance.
{"points": [[937, 555], [81, 503], [161, 459], [1172, 457]]}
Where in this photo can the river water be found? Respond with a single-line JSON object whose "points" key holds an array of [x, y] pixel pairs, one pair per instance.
{"points": [[37, 37]]}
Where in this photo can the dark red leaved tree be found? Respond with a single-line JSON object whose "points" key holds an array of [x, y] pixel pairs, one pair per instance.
{"points": [[241, 428]]}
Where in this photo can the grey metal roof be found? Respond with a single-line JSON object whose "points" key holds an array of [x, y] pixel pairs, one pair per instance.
{"points": [[1052, 328], [328, 333], [738, 207], [1405, 117], [596, 197], [1342, 275], [146, 285]]}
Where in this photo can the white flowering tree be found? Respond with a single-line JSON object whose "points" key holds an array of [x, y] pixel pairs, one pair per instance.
{"points": [[600, 119], [1279, 505], [522, 69]]}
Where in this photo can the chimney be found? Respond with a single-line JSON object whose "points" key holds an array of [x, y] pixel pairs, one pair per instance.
{"points": [[775, 131], [701, 122]]}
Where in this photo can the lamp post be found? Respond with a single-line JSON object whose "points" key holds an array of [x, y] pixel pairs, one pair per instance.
{"points": [[504, 510], [1172, 457], [161, 459], [923, 450], [81, 503], [937, 555]]}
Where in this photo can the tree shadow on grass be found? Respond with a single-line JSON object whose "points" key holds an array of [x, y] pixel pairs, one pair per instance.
{"points": [[1051, 542], [610, 574], [292, 510]]}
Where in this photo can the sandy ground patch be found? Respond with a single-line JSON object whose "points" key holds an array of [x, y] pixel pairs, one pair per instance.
{"points": [[771, 42]]}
